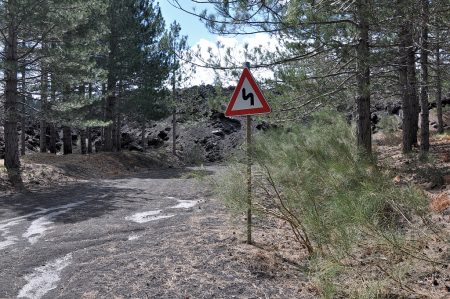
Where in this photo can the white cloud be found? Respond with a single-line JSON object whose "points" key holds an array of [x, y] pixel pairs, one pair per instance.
{"points": [[237, 49]]}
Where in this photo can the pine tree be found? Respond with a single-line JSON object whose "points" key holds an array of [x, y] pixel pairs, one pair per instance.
{"points": [[72, 62], [309, 29], [177, 47], [11, 64], [136, 65], [424, 51]]}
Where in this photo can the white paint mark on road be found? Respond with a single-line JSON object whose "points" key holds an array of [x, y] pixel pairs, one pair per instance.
{"points": [[8, 240], [44, 279], [42, 211], [39, 226], [133, 237], [185, 204], [161, 217], [154, 215], [144, 217]]}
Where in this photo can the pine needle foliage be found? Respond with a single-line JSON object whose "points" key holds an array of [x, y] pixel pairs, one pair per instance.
{"points": [[313, 177]]}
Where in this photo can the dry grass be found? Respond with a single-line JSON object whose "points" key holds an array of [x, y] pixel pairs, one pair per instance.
{"points": [[214, 256], [417, 269], [432, 175], [440, 202], [422, 271]]}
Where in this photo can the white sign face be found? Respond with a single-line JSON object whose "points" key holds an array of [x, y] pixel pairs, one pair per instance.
{"points": [[247, 98]]}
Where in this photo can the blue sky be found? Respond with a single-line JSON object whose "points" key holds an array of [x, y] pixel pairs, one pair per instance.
{"points": [[190, 25], [200, 38]]}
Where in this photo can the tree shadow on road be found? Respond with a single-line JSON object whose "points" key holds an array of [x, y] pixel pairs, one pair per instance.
{"points": [[168, 173], [84, 201], [95, 198], [15, 180]]}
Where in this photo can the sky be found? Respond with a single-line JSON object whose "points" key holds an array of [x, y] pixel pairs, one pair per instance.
{"points": [[190, 25], [199, 36]]}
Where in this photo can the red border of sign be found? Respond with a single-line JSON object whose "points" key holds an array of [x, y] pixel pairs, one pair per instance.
{"points": [[246, 74]]}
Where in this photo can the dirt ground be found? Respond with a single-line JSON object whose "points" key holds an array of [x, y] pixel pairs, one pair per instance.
{"points": [[432, 176]]}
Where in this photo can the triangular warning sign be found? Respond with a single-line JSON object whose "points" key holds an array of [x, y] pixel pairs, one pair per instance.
{"points": [[247, 98]]}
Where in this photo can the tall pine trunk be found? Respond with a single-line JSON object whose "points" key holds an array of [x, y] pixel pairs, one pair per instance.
{"points": [[53, 132], [109, 115], [53, 136], [104, 100], [114, 134], [412, 84], [110, 106], [89, 134], [117, 122], [42, 136], [23, 126], [83, 142], [439, 84], [12, 162], [364, 132], [82, 132], [174, 114], [67, 140], [43, 122], [409, 122], [119, 132], [424, 126], [143, 137], [89, 141]]}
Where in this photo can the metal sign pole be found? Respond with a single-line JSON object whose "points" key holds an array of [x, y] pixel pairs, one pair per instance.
{"points": [[247, 99], [249, 174], [249, 179]]}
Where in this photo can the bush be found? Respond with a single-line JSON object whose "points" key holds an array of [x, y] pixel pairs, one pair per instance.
{"points": [[314, 178], [364, 234], [193, 155], [389, 125]]}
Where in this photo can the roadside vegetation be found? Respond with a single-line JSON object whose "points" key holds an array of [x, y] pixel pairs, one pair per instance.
{"points": [[366, 236]]}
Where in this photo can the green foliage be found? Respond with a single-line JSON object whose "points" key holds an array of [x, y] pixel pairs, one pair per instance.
{"points": [[140, 62], [314, 178], [218, 101], [389, 123], [193, 155], [337, 203], [324, 274], [231, 188]]}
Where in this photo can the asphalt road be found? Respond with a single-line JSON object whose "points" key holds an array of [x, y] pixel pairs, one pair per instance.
{"points": [[157, 235], [94, 239]]}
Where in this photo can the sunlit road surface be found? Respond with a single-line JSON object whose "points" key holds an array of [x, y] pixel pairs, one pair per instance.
{"points": [[94, 239]]}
